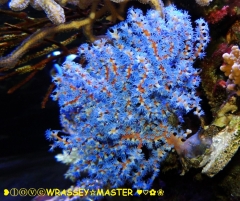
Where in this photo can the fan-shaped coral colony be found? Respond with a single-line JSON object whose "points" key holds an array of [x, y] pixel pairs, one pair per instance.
{"points": [[123, 96]]}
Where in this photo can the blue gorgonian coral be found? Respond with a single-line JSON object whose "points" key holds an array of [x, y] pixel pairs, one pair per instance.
{"points": [[120, 101]]}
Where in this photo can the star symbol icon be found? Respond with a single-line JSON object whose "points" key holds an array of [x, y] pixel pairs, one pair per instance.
{"points": [[92, 192]]}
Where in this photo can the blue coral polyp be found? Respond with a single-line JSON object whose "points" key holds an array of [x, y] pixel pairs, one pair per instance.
{"points": [[121, 100]]}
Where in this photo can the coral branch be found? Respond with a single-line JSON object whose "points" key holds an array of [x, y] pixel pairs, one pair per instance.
{"points": [[231, 68], [22, 82], [47, 95], [128, 96], [203, 2], [11, 60]]}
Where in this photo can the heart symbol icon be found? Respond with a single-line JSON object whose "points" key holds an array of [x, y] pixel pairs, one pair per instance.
{"points": [[145, 192], [139, 192]]}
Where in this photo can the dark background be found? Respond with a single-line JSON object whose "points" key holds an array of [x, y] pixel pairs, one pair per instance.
{"points": [[25, 161]]}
